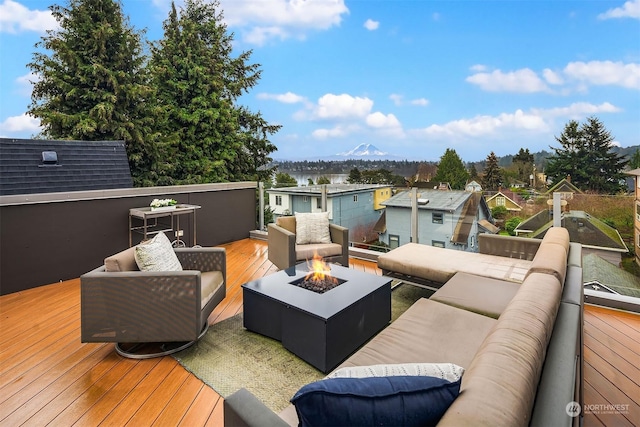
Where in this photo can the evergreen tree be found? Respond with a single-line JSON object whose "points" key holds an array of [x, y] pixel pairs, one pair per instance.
{"points": [[634, 163], [587, 157], [473, 172], [492, 177], [523, 164], [285, 180], [198, 83], [92, 82], [355, 177], [452, 170]]}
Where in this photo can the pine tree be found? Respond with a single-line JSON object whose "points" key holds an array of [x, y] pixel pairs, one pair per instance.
{"points": [[492, 177], [452, 170], [210, 138], [523, 164], [92, 82], [585, 155]]}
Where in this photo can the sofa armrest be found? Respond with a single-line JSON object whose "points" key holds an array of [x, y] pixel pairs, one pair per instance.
{"points": [[203, 259], [508, 246], [281, 246], [243, 409], [340, 235]]}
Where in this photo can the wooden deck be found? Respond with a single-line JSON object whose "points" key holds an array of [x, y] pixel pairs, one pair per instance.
{"points": [[48, 377]]}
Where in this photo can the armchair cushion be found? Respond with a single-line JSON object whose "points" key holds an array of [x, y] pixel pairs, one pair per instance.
{"points": [[312, 228], [210, 281], [157, 255], [122, 261]]}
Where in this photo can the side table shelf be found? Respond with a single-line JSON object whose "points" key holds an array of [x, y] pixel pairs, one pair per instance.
{"points": [[148, 227]]}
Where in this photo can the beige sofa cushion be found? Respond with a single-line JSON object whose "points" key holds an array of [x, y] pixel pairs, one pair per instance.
{"points": [[323, 250], [439, 265], [122, 261], [210, 281], [481, 295], [551, 258], [287, 222], [558, 235], [499, 386], [428, 332]]}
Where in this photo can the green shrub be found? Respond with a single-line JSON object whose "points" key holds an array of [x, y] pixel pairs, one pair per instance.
{"points": [[511, 224], [499, 212]]}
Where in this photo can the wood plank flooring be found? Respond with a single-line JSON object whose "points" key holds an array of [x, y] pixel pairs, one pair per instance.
{"points": [[48, 377]]}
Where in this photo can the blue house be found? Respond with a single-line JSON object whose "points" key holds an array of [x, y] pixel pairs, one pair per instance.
{"points": [[446, 219], [355, 206]]}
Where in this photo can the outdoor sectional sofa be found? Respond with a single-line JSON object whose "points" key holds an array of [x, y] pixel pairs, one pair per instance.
{"points": [[520, 343]]}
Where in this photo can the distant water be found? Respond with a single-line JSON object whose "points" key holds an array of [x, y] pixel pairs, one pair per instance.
{"points": [[303, 178]]}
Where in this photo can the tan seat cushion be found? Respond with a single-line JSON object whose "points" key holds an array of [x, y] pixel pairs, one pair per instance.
{"points": [[551, 258], [481, 295], [304, 252], [439, 265], [122, 261], [428, 332], [210, 282]]}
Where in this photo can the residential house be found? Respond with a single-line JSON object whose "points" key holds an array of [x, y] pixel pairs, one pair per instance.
{"points": [[594, 235], [565, 188], [30, 166], [473, 186], [507, 198], [600, 275], [355, 206], [635, 173], [447, 219]]}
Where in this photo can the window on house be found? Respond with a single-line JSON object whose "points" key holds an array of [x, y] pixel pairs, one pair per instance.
{"points": [[437, 217], [394, 241], [278, 200], [305, 199], [437, 243], [319, 203], [638, 212], [500, 201], [355, 198], [473, 241]]}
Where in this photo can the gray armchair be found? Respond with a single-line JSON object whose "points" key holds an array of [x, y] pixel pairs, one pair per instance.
{"points": [[284, 253], [132, 308]]}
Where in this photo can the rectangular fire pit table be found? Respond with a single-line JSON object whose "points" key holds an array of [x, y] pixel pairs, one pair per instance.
{"points": [[322, 329]]}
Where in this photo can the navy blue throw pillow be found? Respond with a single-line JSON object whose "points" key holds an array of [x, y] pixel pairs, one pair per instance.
{"points": [[379, 401]]}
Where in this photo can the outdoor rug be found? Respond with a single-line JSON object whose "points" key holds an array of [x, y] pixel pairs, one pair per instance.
{"points": [[229, 357]]}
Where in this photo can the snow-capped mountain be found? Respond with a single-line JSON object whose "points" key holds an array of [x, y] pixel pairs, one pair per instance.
{"points": [[363, 150]]}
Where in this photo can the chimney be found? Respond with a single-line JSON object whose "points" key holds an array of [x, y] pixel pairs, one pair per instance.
{"points": [[569, 178]]}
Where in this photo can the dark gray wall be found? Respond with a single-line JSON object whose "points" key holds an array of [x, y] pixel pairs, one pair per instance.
{"points": [[44, 242]]}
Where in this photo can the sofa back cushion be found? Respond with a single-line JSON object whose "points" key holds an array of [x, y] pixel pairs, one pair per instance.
{"points": [[122, 261], [499, 386], [551, 257]]}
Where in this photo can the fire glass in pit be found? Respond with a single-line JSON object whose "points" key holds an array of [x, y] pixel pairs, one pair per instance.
{"points": [[319, 279]]}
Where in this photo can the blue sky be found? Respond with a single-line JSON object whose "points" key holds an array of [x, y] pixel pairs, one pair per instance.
{"points": [[412, 77]]}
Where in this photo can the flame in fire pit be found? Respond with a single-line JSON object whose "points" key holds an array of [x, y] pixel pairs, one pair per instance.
{"points": [[319, 271]]}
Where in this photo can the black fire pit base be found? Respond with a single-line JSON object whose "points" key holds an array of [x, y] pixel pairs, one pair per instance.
{"points": [[322, 329]]}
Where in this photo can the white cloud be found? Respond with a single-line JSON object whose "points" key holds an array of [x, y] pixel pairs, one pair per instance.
{"points": [[479, 68], [422, 102], [371, 25], [342, 106], [631, 9], [260, 21], [379, 120], [285, 98], [578, 110], [605, 73], [520, 81], [23, 123], [25, 83], [336, 132], [397, 99], [488, 125], [16, 18], [552, 77]]}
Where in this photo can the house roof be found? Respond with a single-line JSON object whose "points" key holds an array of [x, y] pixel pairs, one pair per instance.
{"points": [[596, 269], [332, 189], [514, 197], [29, 166], [582, 227], [437, 200], [564, 186]]}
